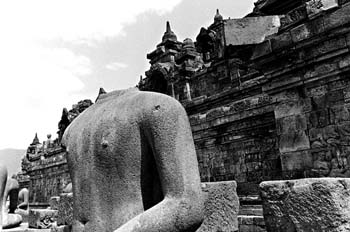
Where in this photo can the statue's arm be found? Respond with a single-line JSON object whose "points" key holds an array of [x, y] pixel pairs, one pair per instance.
{"points": [[167, 128], [25, 200]]}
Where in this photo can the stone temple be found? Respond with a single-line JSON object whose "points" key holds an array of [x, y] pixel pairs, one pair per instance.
{"points": [[267, 96]]}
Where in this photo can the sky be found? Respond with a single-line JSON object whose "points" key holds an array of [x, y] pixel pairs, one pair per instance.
{"points": [[54, 53]]}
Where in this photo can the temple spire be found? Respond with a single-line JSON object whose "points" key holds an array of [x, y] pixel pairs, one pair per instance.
{"points": [[218, 17], [168, 28], [169, 34], [35, 140], [100, 92]]}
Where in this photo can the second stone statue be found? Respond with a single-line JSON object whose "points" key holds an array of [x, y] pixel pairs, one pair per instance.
{"points": [[133, 165]]}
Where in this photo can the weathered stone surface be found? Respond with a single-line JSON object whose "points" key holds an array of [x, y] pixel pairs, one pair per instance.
{"points": [[42, 218], [262, 49], [307, 205], [293, 17], [251, 30], [61, 229], [120, 159], [221, 207], [301, 160], [337, 18], [54, 202], [251, 223], [65, 209], [315, 7]]}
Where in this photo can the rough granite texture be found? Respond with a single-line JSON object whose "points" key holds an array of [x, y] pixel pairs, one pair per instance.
{"points": [[54, 202], [42, 218], [65, 209], [221, 207], [251, 223], [307, 205], [119, 150]]}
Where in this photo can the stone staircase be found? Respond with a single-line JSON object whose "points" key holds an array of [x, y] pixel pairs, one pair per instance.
{"points": [[250, 216]]}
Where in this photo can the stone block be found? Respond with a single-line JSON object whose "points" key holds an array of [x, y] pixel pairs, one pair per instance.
{"points": [[42, 218], [251, 223], [307, 30], [325, 47], [300, 33], [343, 2], [291, 124], [344, 62], [314, 7], [54, 202], [300, 160], [250, 30], [346, 93], [296, 15], [337, 18], [293, 141], [221, 207], [281, 41], [306, 205], [65, 209], [61, 229], [262, 49]]}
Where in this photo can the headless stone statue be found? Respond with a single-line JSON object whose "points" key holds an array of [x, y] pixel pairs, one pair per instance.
{"points": [[8, 220], [13, 189], [133, 165], [23, 198]]}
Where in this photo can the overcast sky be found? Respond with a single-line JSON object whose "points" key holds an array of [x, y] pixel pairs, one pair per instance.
{"points": [[55, 53]]}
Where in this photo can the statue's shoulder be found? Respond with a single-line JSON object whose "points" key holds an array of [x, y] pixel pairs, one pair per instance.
{"points": [[153, 100], [136, 99]]}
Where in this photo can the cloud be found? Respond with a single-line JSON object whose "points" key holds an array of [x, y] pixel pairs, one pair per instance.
{"points": [[116, 66], [36, 84], [75, 20], [38, 78]]}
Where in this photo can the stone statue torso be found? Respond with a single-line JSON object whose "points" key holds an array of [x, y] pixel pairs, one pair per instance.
{"points": [[110, 154]]}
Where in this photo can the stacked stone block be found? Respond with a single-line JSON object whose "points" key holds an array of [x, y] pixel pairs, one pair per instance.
{"points": [[306, 205]]}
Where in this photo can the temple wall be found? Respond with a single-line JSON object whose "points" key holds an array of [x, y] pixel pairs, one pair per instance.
{"points": [[48, 175], [307, 66], [277, 109]]}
